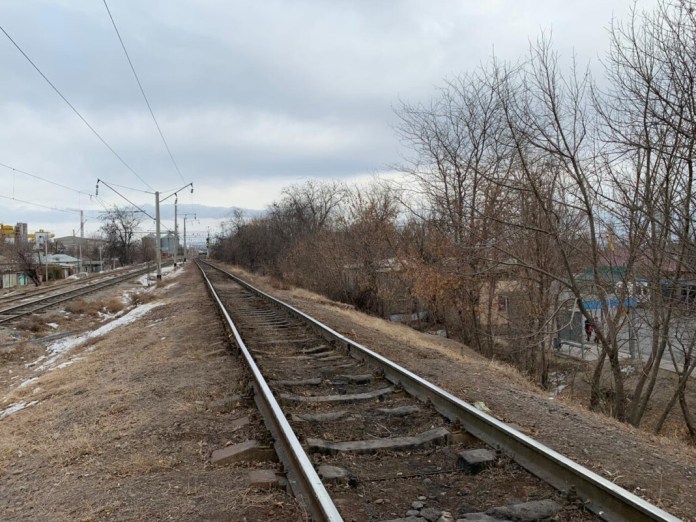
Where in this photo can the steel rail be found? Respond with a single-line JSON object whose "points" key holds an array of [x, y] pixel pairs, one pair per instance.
{"points": [[606, 499], [49, 301], [302, 477], [45, 292]]}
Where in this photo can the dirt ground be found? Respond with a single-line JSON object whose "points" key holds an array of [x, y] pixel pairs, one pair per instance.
{"points": [[658, 469], [121, 426]]}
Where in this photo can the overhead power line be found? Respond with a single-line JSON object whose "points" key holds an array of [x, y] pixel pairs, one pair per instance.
{"points": [[44, 179], [124, 197], [125, 187], [142, 91], [39, 205], [74, 109]]}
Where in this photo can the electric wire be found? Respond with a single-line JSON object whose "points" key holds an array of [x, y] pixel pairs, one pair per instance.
{"points": [[39, 204], [142, 91], [44, 179], [131, 203], [124, 197], [126, 187], [74, 109]]}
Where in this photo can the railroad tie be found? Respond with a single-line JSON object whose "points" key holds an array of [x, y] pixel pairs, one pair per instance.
{"points": [[434, 437], [349, 397]]}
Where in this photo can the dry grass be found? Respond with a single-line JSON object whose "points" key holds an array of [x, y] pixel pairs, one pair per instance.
{"points": [[133, 406], [93, 307], [82, 306], [113, 305], [138, 298], [279, 284], [147, 459], [32, 324]]}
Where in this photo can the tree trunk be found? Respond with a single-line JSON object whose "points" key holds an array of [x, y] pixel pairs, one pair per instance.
{"points": [[687, 416], [596, 385], [638, 411], [620, 393]]}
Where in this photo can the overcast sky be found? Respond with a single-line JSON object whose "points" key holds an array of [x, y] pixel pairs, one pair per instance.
{"points": [[251, 96]]}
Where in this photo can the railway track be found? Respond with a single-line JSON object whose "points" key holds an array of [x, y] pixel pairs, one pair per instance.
{"points": [[17, 307], [364, 439]]}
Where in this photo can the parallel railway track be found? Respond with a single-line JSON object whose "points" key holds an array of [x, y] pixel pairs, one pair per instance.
{"points": [[17, 307], [386, 442]]}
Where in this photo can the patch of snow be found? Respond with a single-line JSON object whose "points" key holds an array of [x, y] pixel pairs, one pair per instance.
{"points": [[167, 270], [66, 363], [35, 362], [15, 408], [52, 325], [105, 316], [28, 382], [58, 348]]}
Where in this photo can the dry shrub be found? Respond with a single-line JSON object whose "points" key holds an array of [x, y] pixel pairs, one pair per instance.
{"points": [[138, 298], [114, 305], [53, 318], [32, 324], [84, 307], [279, 284], [77, 306]]}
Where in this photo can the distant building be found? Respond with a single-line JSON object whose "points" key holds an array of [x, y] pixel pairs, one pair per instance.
{"points": [[61, 265], [21, 234], [90, 247], [7, 233], [42, 238], [13, 233]]}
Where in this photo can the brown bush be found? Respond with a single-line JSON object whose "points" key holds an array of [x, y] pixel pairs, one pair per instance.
{"points": [[78, 306], [138, 298], [82, 306], [114, 305], [32, 324]]}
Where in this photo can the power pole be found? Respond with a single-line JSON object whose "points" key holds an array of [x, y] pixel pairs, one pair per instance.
{"points": [[46, 254], [82, 236], [157, 239], [185, 250], [176, 229]]}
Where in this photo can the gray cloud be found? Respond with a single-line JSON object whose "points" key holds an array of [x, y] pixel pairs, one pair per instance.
{"points": [[250, 95]]}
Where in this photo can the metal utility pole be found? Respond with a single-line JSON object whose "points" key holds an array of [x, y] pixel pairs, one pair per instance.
{"points": [[46, 254], [82, 236], [176, 236], [185, 249], [157, 238], [176, 229]]}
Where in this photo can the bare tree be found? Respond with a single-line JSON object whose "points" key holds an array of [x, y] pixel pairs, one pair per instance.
{"points": [[119, 227], [25, 256], [649, 114], [454, 141]]}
